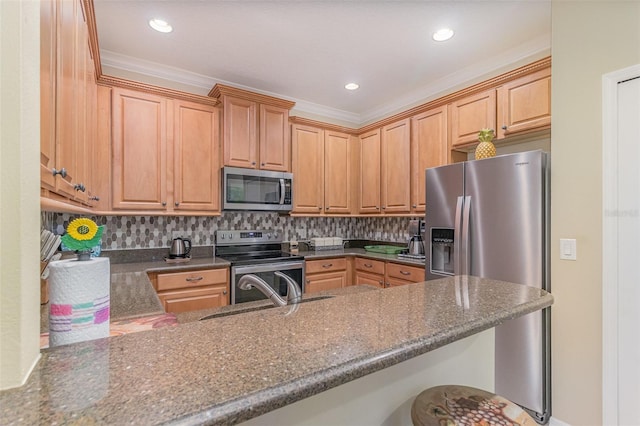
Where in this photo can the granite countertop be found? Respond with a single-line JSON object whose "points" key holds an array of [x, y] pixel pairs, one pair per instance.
{"points": [[230, 369]]}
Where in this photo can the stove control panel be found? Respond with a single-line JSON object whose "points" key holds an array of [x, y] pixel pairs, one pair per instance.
{"points": [[225, 237]]}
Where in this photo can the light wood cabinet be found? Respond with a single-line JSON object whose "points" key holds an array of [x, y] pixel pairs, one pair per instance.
{"points": [[165, 154], [67, 84], [368, 271], [255, 129], [398, 271], [308, 169], [428, 149], [325, 274], [196, 179], [385, 274], [396, 167], [321, 164], [192, 290], [471, 114], [524, 104], [139, 150], [370, 172]]}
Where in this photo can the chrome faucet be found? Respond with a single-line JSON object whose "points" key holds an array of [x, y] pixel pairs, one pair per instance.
{"points": [[294, 294]]}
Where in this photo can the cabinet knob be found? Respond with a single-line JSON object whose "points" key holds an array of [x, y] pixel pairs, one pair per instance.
{"points": [[79, 187], [224, 292], [177, 203], [62, 172], [319, 208], [253, 163], [405, 272], [94, 198], [164, 203], [368, 265], [327, 265], [377, 208], [384, 207], [262, 164], [504, 127], [327, 208], [413, 206], [308, 281]]}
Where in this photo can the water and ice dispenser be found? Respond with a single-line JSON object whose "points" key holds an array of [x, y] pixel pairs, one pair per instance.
{"points": [[442, 258]]}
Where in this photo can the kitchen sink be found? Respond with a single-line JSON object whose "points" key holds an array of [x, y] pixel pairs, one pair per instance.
{"points": [[258, 308]]}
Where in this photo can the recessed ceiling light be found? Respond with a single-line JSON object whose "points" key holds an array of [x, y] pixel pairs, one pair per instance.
{"points": [[443, 34], [160, 25], [351, 86]]}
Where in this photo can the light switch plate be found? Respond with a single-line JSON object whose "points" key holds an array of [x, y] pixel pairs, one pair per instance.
{"points": [[568, 250]]}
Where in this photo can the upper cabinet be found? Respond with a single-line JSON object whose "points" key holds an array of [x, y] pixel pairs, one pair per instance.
{"points": [[165, 154], [68, 102], [524, 104], [428, 149], [385, 169], [471, 114], [321, 164], [255, 129]]}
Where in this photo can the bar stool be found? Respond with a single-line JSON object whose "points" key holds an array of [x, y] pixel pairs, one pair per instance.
{"points": [[466, 406]]}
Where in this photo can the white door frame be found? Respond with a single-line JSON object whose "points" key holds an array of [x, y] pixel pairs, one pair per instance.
{"points": [[610, 218]]}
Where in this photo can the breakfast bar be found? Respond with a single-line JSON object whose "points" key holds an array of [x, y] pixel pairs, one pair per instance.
{"points": [[232, 368]]}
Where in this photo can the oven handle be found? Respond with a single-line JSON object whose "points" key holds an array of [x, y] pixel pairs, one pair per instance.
{"points": [[281, 191], [268, 267]]}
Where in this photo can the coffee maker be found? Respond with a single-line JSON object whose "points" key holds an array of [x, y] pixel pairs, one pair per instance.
{"points": [[415, 246]]}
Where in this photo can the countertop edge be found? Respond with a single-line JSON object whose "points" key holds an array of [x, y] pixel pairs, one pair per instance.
{"points": [[264, 401]]}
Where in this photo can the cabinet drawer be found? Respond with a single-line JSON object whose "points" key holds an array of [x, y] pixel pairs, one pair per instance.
{"points": [[326, 265], [404, 272], [371, 266], [194, 299], [191, 279]]}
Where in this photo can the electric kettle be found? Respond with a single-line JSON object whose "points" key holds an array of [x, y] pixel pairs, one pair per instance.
{"points": [[180, 247]]}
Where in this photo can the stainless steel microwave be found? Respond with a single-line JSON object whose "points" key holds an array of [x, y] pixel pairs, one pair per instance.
{"points": [[249, 189]]}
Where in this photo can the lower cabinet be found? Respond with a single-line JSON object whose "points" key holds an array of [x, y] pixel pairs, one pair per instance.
{"points": [[385, 274], [192, 290], [325, 274]]}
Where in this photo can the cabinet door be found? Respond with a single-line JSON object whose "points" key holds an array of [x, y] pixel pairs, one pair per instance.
{"points": [[275, 145], [396, 167], [370, 172], [196, 179], [394, 282], [471, 114], [47, 93], [239, 134], [66, 106], [308, 169], [428, 149], [337, 172], [369, 279], [525, 104], [194, 299], [139, 151], [327, 281]]}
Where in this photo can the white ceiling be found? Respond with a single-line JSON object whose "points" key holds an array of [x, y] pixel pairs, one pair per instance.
{"points": [[307, 51]]}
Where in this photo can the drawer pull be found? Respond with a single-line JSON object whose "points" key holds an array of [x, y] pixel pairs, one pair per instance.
{"points": [[327, 265], [193, 279], [368, 265], [405, 272]]}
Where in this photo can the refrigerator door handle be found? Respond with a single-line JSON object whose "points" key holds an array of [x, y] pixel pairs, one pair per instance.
{"points": [[456, 237], [465, 249]]}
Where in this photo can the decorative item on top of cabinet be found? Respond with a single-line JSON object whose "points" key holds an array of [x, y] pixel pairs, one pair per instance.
{"points": [[192, 290], [325, 274], [179, 173], [321, 164], [485, 148], [428, 149], [524, 104], [392, 172], [469, 115], [255, 129]]}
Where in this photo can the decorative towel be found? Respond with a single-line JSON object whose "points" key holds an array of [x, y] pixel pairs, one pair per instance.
{"points": [[79, 297]]}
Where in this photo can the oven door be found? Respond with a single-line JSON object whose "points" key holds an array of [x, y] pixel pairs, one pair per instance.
{"points": [[266, 271]]}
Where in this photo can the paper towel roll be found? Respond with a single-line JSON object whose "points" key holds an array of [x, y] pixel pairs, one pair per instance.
{"points": [[79, 300]]}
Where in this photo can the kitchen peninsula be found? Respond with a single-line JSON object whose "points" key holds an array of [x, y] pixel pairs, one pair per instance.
{"points": [[230, 369]]}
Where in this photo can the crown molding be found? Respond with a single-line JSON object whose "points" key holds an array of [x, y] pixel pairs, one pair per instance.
{"points": [[322, 124], [220, 90], [536, 48]]}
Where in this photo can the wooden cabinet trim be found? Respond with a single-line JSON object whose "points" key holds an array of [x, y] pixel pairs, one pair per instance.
{"points": [[220, 90]]}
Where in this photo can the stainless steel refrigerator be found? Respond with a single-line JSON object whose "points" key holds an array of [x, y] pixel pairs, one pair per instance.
{"points": [[490, 218]]}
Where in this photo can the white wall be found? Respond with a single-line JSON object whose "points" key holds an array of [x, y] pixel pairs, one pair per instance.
{"points": [[589, 39], [19, 195]]}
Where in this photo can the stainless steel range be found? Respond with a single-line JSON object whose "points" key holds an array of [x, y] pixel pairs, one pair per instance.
{"points": [[258, 252]]}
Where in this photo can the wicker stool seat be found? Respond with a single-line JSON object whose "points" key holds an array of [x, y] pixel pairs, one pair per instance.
{"points": [[451, 405]]}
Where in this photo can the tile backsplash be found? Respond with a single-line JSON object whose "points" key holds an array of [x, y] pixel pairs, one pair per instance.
{"points": [[140, 232]]}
